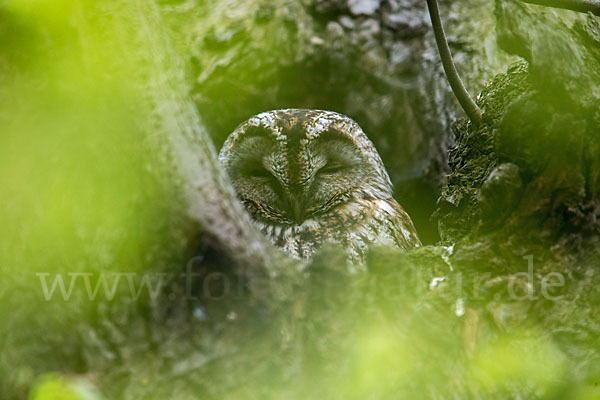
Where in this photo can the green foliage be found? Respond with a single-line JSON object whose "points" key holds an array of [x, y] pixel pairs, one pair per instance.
{"points": [[55, 387], [81, 190]]}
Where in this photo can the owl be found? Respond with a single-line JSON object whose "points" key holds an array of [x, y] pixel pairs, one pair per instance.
{"points": [[310, 177]]}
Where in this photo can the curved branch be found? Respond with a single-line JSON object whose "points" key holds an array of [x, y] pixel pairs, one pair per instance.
{"points": [[574, 5], [464, 98]]}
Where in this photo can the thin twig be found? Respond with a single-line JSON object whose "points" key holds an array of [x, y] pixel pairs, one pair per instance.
{"points": [[464, 98], [575, 5]]}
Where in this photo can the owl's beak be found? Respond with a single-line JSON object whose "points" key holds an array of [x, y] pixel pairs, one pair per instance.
{"points": [[296, 206], [298, 210]]}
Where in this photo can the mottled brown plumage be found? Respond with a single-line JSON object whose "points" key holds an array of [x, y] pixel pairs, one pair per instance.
{"points": [[309, 177]]}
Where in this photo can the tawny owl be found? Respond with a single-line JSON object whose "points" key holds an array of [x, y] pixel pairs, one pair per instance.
{"points": [[308, 177]]}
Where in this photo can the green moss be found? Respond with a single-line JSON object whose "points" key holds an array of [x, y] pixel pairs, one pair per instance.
{"points": [[473, 158]]}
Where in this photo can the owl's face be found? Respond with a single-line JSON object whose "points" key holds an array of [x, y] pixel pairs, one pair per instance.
{"points": [[291, 166]]}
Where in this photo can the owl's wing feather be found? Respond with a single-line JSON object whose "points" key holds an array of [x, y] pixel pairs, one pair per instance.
{"points": [[402, 227]]}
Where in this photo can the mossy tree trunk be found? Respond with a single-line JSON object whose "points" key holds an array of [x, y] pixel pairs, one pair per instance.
{"points": [[170, 118]]}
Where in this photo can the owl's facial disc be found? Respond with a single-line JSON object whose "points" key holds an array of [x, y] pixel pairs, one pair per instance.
{"points": [[308, 177], [289, 182]]}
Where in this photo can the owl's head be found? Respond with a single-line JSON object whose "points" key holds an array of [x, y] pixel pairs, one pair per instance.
{"points": [[289, 166]]}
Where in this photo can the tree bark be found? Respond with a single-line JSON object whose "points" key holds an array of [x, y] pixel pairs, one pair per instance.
{"points": [[208, 194]]}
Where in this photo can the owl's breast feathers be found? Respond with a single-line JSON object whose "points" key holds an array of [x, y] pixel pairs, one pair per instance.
{"points": [[355, 225]]}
